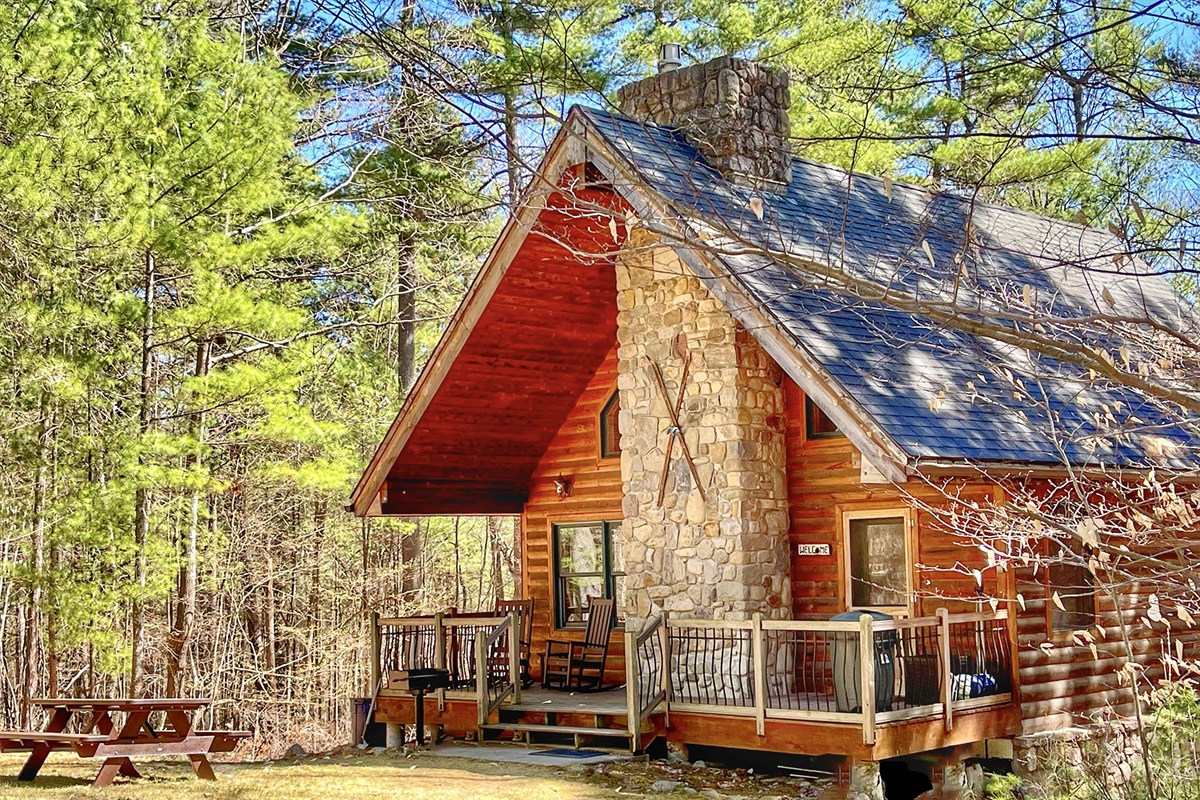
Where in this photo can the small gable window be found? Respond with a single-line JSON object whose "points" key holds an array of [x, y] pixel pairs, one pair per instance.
{"points": [[1072, 581], [816, 424], [610, 435]]}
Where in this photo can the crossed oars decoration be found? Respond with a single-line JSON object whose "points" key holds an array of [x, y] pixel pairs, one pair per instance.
{"points": [[675, 431]]}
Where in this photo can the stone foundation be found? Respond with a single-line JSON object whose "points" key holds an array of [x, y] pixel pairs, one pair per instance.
{"points": [[1105, 753], [866, 783], [724, 555]]}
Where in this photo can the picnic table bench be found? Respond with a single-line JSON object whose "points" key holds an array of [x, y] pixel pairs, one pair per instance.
{"points": [[102, 738]]}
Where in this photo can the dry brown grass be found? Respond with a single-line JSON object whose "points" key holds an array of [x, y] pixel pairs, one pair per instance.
{"points": [[350, 775]]}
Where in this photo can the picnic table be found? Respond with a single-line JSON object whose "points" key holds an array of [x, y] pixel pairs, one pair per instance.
{"points": [[100, 735]]}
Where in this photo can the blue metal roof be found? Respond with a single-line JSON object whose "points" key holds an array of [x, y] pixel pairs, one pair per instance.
{"points": [[938, 392]]}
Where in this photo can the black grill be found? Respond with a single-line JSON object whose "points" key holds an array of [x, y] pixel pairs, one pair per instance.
{"points": [[419, 680]]}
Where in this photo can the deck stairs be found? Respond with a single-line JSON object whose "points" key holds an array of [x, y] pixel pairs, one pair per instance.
{"points": [[593, 721]]}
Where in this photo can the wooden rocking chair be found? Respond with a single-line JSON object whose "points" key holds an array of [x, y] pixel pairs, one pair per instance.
{"points": [[524, 609], [579, 666]]}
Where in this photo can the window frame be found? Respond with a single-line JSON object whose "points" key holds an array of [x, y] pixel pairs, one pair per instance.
{"points": [[1064, 633], [810, 433], [602, 427], [558, 586], [884, 512]]}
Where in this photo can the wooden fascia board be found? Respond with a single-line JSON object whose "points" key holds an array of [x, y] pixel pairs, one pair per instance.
{"points": [[862, 431], [363, 499], [1012, 470]]}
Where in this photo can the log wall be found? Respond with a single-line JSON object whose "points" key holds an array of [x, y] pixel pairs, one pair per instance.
{"points": [[596, 492], [1063, 683], [824, 482]]}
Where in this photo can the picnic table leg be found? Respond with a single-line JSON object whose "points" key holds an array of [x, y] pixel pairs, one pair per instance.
{"points": [[37, 757], [103, 722], [109, 771], [40, 752], [181, 723], [203, 769]]}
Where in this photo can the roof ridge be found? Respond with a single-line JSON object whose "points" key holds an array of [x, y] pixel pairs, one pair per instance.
{"points": [[896, 183]]}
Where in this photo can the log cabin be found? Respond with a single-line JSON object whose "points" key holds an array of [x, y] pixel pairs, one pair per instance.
{"points": [[661, 370]]}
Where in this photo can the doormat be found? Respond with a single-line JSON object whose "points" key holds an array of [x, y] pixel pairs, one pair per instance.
{"points": [[567, 752]]}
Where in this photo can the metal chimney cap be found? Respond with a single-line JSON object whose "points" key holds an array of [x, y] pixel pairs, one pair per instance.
{"points": [[670, 57]]}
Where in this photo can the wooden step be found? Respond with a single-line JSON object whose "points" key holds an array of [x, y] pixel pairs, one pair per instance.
{"points": [[592, 710], [566, 730]]}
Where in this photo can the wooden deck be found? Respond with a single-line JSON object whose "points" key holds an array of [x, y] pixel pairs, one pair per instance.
{"points": [[781, 686], [609, 702]]}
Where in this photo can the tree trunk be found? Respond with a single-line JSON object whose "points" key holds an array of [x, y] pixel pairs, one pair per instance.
{"points": [[514, 557], [410, 560], [458, 581], [185, 608], [33, 616], [493, 529], [269, 647], [142, 498], [512, 148], [406, 310]]}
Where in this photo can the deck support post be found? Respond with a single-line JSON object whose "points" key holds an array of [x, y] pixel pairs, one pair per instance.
{"points": [[439, 655], [632, 693], [866, 658], [759, 660], [481, 680], [866, 781], [395, 735], [514, 654], [376, 671], [947, 676]]}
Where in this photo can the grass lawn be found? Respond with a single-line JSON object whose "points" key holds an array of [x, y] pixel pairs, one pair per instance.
{"points": [[350, 775]]}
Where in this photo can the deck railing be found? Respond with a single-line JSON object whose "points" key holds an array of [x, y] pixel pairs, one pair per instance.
{"points": [[478, 651], [646, 684], [821, 671], [498, 668], [923, 667]]}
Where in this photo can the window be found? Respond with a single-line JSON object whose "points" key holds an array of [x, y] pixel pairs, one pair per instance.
{"points": [[816, 424], [877, 559], [586, 564], [1076, 588], [610, 435]]}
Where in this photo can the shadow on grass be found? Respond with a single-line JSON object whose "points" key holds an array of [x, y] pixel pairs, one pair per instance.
{"points": [[44, 781], [181, 782]]}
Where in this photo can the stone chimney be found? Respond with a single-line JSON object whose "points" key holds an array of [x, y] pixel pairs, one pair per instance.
{"points": [[734, 111]]}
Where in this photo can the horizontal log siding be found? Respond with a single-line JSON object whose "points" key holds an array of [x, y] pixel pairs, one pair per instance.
{"points": [[596, 491], [1065, 684], [823, 481]]}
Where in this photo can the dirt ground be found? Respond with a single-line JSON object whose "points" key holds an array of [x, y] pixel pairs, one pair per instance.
{"points": [[353, 775]]}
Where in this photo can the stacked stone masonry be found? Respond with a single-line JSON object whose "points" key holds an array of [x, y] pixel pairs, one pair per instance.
{"points": [[724, 556], [735, 112]]}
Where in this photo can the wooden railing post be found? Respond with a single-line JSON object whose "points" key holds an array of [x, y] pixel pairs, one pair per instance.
{"points": [[439, 655], [481, 680], [514, 653], [866, 658], [759, 661], [376, 667], [665, 640], [633, 706], [947, 676]]}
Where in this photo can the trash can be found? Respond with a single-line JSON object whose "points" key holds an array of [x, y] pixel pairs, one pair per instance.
{"points": [[366, 729], [847, 677]]}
